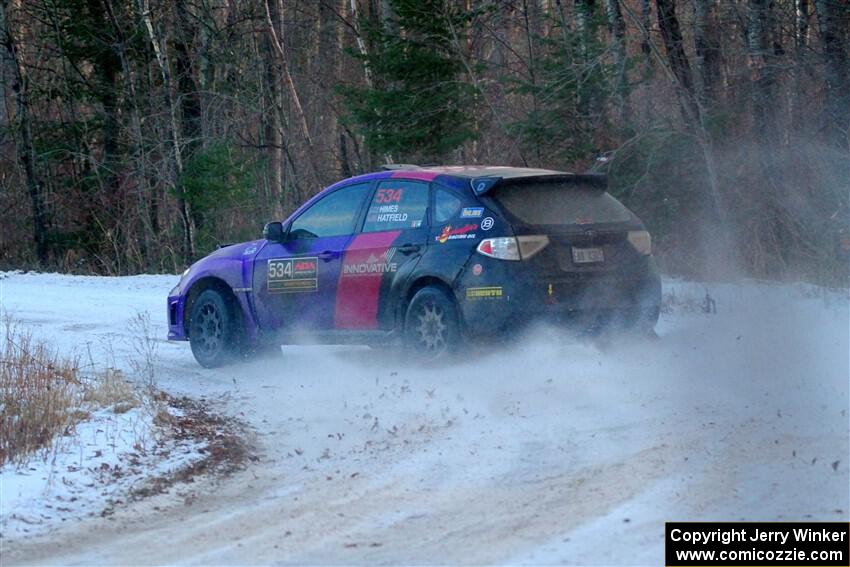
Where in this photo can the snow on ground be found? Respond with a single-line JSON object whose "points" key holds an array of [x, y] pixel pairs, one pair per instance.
{"points": [[551, 450], [89, 472]]}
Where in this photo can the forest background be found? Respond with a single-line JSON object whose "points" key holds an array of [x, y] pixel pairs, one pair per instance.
{"points": [[137, 135]]}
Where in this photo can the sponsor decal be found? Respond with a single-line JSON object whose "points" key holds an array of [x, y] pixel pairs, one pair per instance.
{"points": [[462, 233], [241, 289], [381, 264], [584, 220], [471, 212], [477, 269], [357, 298], [484, 293], [250, 250], [293, 275], [416, 224], [487, 223]]}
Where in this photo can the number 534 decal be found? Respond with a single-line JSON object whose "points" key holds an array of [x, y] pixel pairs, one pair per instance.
{"points": [[384, 196], [293, 275]]}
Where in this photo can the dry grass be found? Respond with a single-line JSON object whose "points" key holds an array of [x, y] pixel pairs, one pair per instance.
{"points": [[40, 393], [43, 395], [110, 388]]}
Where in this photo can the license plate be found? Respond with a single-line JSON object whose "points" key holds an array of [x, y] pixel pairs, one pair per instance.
{"points": [[587, 255]]}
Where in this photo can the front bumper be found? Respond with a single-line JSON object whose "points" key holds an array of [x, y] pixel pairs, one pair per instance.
{"points": [[176, 330]]}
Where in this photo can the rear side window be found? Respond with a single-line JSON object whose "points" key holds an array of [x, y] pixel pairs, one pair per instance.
{"points": [[397, 205], [560, 203], [446, 205]]}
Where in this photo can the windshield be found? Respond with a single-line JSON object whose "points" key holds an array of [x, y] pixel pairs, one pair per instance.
{"points": [[560, 203]]}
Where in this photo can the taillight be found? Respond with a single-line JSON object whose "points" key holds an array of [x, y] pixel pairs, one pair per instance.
{"points": [[511, 248], [641, 241], [504, 248]]}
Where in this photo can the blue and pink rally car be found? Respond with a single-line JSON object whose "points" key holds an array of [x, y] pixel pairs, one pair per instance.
{"points": [[427, 257]]}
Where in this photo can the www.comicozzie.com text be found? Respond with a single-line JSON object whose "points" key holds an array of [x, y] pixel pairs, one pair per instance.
{"points": [[756, 534]]}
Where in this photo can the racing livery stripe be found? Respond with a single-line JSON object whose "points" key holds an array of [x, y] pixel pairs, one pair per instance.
{"points": [[358, 290]]}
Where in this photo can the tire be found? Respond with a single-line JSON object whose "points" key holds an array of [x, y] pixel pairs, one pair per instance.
{"points": [[431, 325], [213, 332]]}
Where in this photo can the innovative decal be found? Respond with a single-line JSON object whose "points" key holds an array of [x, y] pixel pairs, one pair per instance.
{"points": [[293, 275], [380, 264], [484, 293], [471, 212], [368, 258], [462, 233]]}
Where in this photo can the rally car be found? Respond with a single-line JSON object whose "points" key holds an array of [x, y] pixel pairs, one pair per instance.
{"points": [[428, 257]]}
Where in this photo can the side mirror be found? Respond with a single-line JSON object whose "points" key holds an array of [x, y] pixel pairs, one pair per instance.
{"points": [[273, 232]]}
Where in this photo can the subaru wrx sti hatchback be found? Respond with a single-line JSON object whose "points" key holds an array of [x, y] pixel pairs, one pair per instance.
{"points": [[426, 257]]}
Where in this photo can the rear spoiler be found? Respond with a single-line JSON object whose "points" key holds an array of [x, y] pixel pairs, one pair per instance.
{"points": [[482, 185]]}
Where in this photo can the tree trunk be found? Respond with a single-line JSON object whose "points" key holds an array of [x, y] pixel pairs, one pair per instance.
{"points": [[761, 69], [617, 29], [142, 192], [671, 35], [274, 125], [283, 61], [159, 48], [833, 16], [646, 19], [802, 12], [707, 49], [25, 146]]}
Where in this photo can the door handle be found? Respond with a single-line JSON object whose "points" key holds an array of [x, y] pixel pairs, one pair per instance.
{"points": [[328, 255], [409, 248]]}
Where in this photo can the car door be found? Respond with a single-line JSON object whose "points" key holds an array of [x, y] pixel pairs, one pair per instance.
{"points": [[295, 281], [382, 255]]}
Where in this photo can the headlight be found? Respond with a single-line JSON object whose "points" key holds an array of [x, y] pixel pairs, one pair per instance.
{"points": [[641, 241]]}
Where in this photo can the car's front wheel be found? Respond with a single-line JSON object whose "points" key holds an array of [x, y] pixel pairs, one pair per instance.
{"points": [[431, 325], [212, 330]]}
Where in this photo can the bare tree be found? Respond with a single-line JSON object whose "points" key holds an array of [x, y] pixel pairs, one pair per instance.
{"points": [[27, 158]]}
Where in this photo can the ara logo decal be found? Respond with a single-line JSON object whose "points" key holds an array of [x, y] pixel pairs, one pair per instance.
{"points": [[462, 233], [381, 264], [293, 275]]}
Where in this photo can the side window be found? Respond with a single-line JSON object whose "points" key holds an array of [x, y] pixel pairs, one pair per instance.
{"points": [[397, 205], [333, 215], [446, 205]]}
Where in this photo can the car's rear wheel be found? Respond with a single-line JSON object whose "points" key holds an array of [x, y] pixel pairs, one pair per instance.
{"points": [[431, 325], [212, 330]]}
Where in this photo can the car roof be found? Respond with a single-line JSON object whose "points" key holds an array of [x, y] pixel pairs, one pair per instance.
{"points": [[467, 177]]}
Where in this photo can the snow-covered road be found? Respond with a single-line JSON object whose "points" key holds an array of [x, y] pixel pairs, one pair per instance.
{"points": [[551, 450]]}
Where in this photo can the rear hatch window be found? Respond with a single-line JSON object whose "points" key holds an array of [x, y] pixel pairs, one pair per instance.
{"points": [[559, 203]]}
